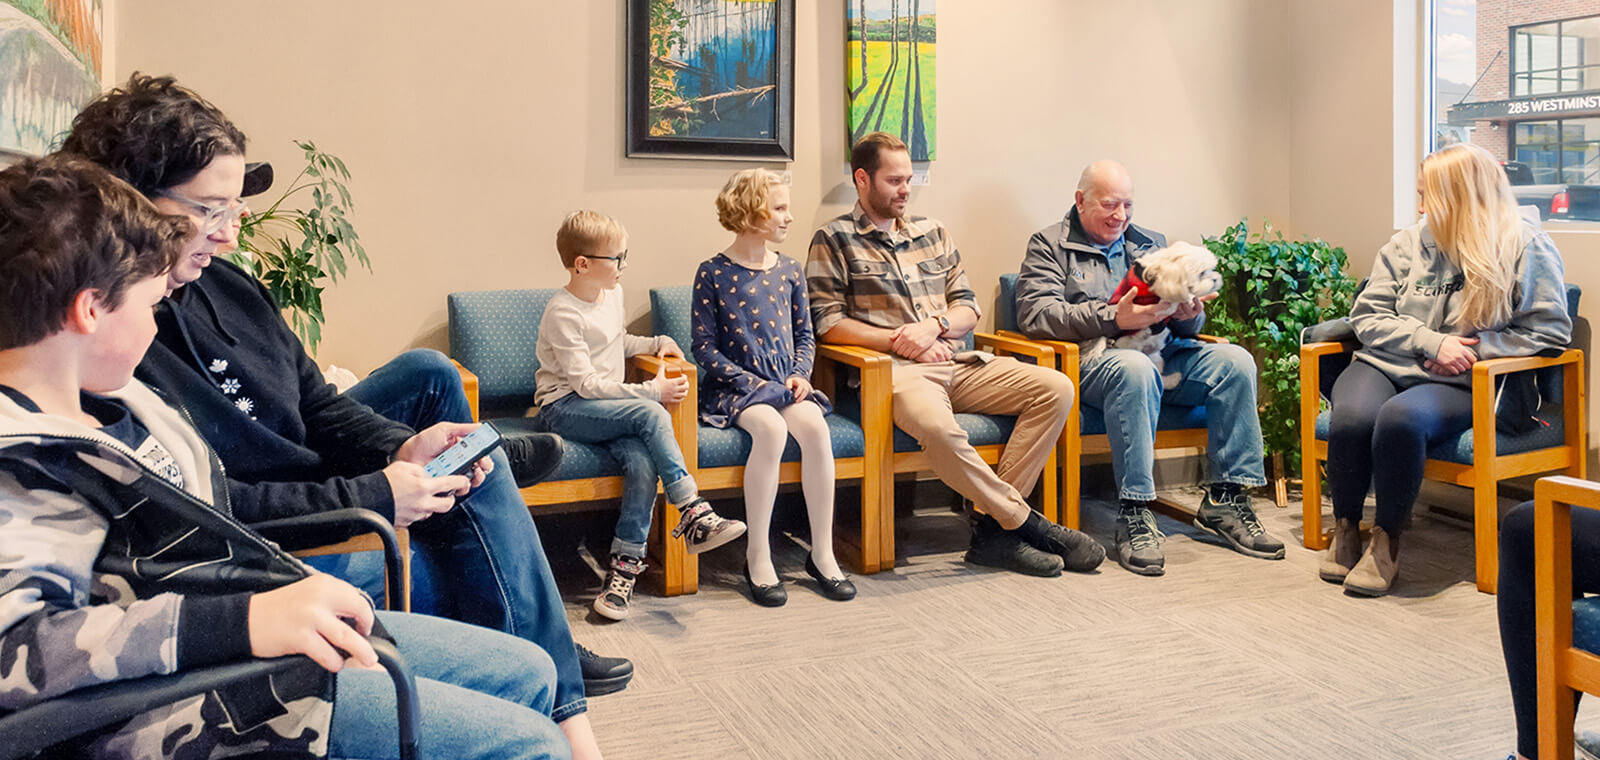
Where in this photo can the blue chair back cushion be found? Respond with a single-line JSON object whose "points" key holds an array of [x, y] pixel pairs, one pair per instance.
{"points": [[1586, 624], [494, 333], [670, 314], [1005, 307]]}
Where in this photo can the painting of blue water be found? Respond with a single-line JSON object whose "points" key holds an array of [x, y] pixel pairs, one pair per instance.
{"points": [[713, 68]]}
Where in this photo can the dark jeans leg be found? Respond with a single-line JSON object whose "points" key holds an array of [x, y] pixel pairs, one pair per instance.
{"points": [[1416, 418], [1358, 394], [483, 559], [1515, 602]]}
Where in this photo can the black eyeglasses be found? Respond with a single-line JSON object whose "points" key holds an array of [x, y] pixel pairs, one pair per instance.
{"points": [[621, 258]]}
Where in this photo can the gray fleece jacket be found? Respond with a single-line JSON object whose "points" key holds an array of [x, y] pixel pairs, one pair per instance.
{"points": [[1412, 301]]}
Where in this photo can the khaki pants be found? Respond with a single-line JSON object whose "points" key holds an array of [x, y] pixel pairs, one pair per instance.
{"points": [[927, 396]]}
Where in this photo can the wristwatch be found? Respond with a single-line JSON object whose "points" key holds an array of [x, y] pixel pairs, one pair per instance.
{"points": [[944, 324]]}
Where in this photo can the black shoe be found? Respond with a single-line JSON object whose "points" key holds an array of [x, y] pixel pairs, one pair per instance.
{"points": [[1230, 516], [533, 456], [766, 596], [1075, 548], [603, 675], [1005, 550], [837, 589], [1139, 541]]}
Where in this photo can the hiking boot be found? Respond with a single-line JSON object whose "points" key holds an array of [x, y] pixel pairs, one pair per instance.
{"points": [[1343, 554], [533, 456], [620, 578], [1139, 542], [1076, 549], [1374, 575], [702, 529], [1004, 549], [1232, 518], [603, 675]]}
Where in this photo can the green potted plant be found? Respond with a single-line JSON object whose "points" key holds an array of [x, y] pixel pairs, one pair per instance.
{"points": [[1272, 289], [298, 251]]}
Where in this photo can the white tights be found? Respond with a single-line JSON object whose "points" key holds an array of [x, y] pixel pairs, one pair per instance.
{"points": [[769, 430]]}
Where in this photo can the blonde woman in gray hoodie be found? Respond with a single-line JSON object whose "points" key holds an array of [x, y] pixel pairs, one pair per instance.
{"points": [[1473, 280]]}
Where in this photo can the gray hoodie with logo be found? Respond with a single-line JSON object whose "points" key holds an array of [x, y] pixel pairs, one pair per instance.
{"points": [[1413, 300]]}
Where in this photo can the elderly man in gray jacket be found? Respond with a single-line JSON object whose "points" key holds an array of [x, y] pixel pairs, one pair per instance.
{"points": [[1068, 275]]}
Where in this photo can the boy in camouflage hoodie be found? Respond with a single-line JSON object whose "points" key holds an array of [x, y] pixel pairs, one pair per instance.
{"points": [[119, 557]]}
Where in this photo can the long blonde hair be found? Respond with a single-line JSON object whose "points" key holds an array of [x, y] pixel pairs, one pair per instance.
{"points": [[1473, 216]]}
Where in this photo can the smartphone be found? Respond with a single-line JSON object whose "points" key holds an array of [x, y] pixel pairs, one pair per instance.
{"points": [[460, 457]]}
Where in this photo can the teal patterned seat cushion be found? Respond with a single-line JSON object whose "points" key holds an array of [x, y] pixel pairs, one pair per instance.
{"points": [[578, 460], [1586, 624], [1459, 450], [982, 430]]}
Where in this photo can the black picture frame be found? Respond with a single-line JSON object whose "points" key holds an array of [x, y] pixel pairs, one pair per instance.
{"points": [[641, 144]]}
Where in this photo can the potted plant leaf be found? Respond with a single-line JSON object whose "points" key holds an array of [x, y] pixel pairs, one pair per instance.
{"points": [[1272, 289], [298, 249]]}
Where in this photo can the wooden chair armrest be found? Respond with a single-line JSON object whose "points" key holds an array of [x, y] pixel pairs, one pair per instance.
{"points": [[1211, 338], [1005, 345], [685, 413], [1553, 499], [469, 385], [1497, 367], [1312, 350], [854, 356]]}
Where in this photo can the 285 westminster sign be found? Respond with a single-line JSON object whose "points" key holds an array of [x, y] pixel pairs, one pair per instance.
{"points": [[1551, 105]]}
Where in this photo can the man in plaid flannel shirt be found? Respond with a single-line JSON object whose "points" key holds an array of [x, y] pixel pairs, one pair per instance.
{"points": [[895, 283]]}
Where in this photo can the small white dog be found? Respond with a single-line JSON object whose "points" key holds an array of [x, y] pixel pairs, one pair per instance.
{"points": [[1179, 273]]}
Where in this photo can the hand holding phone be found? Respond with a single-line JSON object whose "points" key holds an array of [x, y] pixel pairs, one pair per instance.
{"points": [[461, 455]]}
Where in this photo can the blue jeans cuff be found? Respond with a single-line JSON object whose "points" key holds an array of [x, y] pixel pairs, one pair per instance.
{"points": [[1134, 496], [619, 546], [575, 707], [1244, 482], [681, 490]]}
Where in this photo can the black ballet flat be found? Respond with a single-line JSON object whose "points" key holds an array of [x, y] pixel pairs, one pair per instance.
{"points": [[837, 589], [767, 596]]}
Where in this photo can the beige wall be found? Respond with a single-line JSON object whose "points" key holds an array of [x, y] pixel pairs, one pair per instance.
{"points": [[471, 136]]}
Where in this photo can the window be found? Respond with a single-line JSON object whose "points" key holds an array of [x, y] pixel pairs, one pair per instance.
{"points": [[1555, 57], [1453, 54], [1559, 151]]}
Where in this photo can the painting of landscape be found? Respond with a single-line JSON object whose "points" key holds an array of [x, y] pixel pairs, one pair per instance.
{"points": [[50, 54], [889, 69]]}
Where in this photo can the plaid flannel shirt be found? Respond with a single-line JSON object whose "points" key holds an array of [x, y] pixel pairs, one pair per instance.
{"points": [[884, 279]]}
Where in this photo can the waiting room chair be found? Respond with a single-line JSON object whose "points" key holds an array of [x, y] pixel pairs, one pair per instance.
{"points": [[987, 433], [493, 334], [1568, 629], [32, 732], [716, 456], [1477, 462], [346, 531], [1176, 426]]}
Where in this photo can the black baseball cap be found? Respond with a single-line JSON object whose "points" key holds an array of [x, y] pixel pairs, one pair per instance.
{"points": [[257, 178]]}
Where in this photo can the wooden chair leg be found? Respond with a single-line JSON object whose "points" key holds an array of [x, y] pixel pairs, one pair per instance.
{"points": [[680, 570], [403, 539], [1311, 502], [1486, 527]]}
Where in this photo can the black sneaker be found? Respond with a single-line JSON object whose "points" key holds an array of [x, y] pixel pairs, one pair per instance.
{"points": [[533, 456], [1075, 548], [1006, 550], [1235, 521], [1139, 542], [603, 675]]}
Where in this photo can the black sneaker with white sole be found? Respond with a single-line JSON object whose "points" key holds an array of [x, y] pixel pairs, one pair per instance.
{"points": [[621, 576], [702, 529], [1230, 516], [1139, 541]]}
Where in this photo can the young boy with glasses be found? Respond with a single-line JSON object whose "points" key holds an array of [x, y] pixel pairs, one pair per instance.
{"points": [[583, 345]]}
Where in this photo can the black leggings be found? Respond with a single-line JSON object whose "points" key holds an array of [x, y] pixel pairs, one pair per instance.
{"points": [[1515, 602], [1380, 435]]}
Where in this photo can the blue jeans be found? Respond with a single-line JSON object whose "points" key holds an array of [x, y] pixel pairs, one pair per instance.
{"points": [[638, 433], [481, 562], [1123, 384], [492, 703]]}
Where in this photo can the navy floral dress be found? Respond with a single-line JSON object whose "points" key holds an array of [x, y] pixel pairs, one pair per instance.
{"points": [[751, 333]]}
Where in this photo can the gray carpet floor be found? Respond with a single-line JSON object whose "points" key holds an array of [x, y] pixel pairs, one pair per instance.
{"points": [[1223, 657]]}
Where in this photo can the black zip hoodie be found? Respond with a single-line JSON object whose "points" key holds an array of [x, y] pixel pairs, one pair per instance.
{"points": [[291, 442]]}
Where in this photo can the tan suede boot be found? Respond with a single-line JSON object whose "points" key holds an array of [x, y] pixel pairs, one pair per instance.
{"points": [[1375, 573], [1343, 554]]}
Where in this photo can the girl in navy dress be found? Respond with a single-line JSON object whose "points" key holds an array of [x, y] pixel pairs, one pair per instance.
{"points": [[752, 339]]}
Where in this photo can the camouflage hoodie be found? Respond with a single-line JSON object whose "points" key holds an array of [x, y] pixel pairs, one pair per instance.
{"points": [[109, 572]]}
